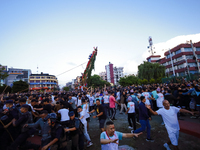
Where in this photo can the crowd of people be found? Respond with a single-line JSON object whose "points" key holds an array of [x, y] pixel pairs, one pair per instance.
{"points": [[62, 116]]}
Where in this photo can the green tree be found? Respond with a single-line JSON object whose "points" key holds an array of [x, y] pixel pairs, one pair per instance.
{"points": [[20, 86], [152, 81], [128, 80], [3, 73], [96, 81], [2, 88], [145, 81], [66, 88], [149, 70]]}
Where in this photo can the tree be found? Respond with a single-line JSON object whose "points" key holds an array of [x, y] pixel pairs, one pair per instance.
{"points": [[129, 80], [149, 71], [96, 81], [2, 88], [3, 73], [66, 88], [152, 81], [20, 86]]}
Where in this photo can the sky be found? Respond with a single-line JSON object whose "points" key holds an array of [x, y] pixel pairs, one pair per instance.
{"points": [[56, 36]]}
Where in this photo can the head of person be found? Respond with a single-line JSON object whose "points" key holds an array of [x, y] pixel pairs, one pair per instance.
{"points": [[52, 119], [71, 115], [143, 99], [24, 108], [9, 103], [158, 90], [33, 102], [166, 104], [70, 97], [106, 93], [112, 93], [98, 102], [22, 101], [44, 114], [79, 109], [110, 128], [129, 99], [56, 98], [97, 95], [46, 101]]}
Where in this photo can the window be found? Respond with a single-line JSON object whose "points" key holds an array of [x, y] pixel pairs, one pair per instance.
{"points": [[187, 49], [180, 66], [189, 56], [197, 48], [198, 56], [192, 64], [31, 81], [177, 52], [37, 77], [178, 59], [31, 77], [168, 56], [37, 81]]}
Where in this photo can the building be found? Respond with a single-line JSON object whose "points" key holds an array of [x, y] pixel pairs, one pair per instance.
{"points": [[17, 75], [42, 81], [153, 58], [183, 59], [118, 73], [103, 76], [113, 74], [68, 84]]}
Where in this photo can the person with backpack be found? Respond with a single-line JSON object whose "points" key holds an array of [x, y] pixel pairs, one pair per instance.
{"points": [[58, 137], [76, 129]]}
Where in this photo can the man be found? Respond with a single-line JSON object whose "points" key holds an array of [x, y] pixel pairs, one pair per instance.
{"points": [[144, 119], [46, 106], [83, 115], [112, 105], [106, 104], [72, 102], [117, 99], [131, 113], [109, 139], [76, 132], [169, 115], [45, 128], [100, 114], [58, 137]]}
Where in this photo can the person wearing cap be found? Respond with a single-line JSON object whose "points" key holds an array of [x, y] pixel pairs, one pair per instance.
{"points": [[76, 134], [45, 128], [10, 114], [131, 113], [58, 136], [169, 115], [24, 132]]}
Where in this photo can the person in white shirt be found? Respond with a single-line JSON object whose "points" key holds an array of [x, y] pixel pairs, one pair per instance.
{"points": [[117, 99], [91, 101], [83, 115], [169, 115], [131, 113], [64, 112], [106, 104], [79, 102], [147, 96]]}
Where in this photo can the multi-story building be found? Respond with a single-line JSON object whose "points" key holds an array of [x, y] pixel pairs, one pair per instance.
{"points": [[113, 74], [42, 81], [153, 58], [103, 76], [183, 60], [16, 75], [118, 73]]}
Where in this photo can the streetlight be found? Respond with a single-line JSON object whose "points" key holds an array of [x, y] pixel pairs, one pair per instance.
{"points": [[190, 42]]}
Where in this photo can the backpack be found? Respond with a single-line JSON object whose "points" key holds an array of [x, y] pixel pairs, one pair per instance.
{"points": [[135, 101]]}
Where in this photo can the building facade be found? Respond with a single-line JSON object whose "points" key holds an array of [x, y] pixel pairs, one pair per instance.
{"points": [[42, 81], [17, 75], [103, 76], [153, 58], [113, 74], [183, 59]]}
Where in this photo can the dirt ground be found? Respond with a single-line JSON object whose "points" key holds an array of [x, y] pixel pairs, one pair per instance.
{"points": [[158, 133]]}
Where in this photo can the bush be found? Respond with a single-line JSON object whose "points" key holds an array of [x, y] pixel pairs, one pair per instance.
{"points": [[152, 81]]}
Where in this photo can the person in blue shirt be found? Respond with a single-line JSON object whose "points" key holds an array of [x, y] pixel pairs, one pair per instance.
{"points": [[144, 117]]}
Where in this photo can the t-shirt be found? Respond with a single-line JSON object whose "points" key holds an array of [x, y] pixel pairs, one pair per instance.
{"points": [[87, 110], [73, 105], [64, 114], [79, 102], [99, 109], [170, 118], [131, 106], [147, 96], [83, 113], [159, 99], [91, 99], [112, 101], [106, 99], [118, 96]]}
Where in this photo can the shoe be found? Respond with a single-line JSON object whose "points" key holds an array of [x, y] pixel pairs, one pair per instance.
{"points": [[132, 131], [193, 117], [138, 123], [166, 146], [89, 144], [130, 127], [149, 140]]}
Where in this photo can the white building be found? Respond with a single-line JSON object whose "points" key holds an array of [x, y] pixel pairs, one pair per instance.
{"points": [[118, 73], [103, 76]]}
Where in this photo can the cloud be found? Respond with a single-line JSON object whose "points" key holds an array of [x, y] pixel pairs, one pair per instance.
{"points": [[159, 47]]}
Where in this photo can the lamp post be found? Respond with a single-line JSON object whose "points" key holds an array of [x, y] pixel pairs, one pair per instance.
{"points": [[196, 59]]}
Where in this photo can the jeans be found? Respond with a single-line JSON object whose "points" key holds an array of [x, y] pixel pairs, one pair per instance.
{"points": [[86, 133], [144, 124], [113, 112], [122, 107], [131, 116], [107, 109]]}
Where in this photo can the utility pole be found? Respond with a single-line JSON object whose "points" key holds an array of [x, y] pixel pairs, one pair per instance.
{"points": [[195, 56], [172, 62]]}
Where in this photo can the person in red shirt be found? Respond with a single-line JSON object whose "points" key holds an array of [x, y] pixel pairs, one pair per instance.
{"points": [[112, 106]]}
